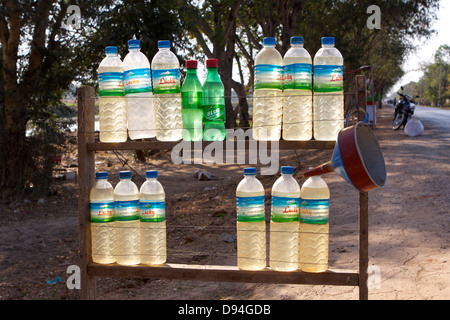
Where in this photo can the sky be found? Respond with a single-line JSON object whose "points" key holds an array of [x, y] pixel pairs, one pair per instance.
{"points": [[426, 48]]}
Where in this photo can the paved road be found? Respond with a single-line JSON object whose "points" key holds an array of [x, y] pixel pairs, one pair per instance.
{"points": [[435, 119]]}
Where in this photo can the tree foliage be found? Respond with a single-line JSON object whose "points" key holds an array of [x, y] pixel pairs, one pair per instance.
{"points": [[434, 86], [41, 57]]}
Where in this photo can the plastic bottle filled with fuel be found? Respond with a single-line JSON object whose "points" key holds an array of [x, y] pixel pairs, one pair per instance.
{"points": [[314, 227], [284, 222], [153, 220], [328, 91], [126, 197], [251, 224], [102, 219]]}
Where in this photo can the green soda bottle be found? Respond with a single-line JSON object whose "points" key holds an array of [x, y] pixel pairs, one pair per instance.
{"points": [[213, 103], [191, 104]]}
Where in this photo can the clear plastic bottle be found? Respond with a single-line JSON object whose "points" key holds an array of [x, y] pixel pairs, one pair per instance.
{"points": [[251, 225], [267, 96], [284, 225], [112, 105], [102, 219], [126, 197], [166, 87], [191, 104], [138, 93], [153, 220], [314, 227], [213, 103], [328, 91], [297, 92]]}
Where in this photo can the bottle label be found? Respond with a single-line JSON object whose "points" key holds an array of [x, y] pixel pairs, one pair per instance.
{"points": [[127, 210], [268, 76], [250, 209], [297, 76], [152, 210], [328, 78], [285, 209], [138, 81], [111, 84], [166, 81], [213, 113], [314, 211], [102, 211]]}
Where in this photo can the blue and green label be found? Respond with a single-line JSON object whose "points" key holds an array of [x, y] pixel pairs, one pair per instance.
{"points": [[111, 84], [127, 210], [152, 210], [285, 209], [328, 78], [166, 81], [250, 209], [102, 211], [314, 211], [297, 76], [268, 76], [138, 81]]}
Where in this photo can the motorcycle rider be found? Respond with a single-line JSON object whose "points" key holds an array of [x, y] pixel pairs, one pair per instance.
{"points": [[403, 105]]}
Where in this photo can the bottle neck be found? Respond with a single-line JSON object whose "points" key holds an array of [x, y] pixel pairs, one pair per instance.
{"points": [[112, 55], [212, 74], [152, 179], [249, 176], [191, 72], [327, 45], [134, 50], [297, 45]]}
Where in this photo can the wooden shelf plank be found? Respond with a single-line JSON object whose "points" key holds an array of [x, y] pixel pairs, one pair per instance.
{"points": [[225, 274], [159, 145]]}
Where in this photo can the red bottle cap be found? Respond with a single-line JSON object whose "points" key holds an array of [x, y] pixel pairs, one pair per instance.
{"points": [[191, 64], [212, 63]]}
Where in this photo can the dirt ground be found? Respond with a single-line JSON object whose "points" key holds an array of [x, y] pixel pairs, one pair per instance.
{"points": [[409, 228]]}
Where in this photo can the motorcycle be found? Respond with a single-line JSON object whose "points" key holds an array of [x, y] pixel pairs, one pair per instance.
{"points": [[403, 110]]}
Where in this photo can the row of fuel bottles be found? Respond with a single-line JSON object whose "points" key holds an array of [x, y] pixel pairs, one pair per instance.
{"points": [[128, 224]]}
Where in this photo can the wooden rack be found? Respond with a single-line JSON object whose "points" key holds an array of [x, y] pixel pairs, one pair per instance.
{"points": [[91, 271]]}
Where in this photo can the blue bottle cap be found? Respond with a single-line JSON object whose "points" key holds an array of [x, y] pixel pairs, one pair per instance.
{"points": [[250, 171], [151, 174], [134, 44], [111, 50], [125, 174], [163, 44], [101, 175], [287, 170], [269, 41], [297, 40], [328, 40]]}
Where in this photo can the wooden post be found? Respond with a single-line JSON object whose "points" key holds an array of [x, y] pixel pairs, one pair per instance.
{"points": [[363, 244], [361, 93], [86, 171]]}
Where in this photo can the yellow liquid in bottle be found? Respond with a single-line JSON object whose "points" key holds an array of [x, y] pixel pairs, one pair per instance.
{"points": [[313, 238], [251, 241]]}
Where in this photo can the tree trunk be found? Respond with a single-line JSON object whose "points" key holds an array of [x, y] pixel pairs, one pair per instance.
{"points": [[13, 151], [243, 104]]}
